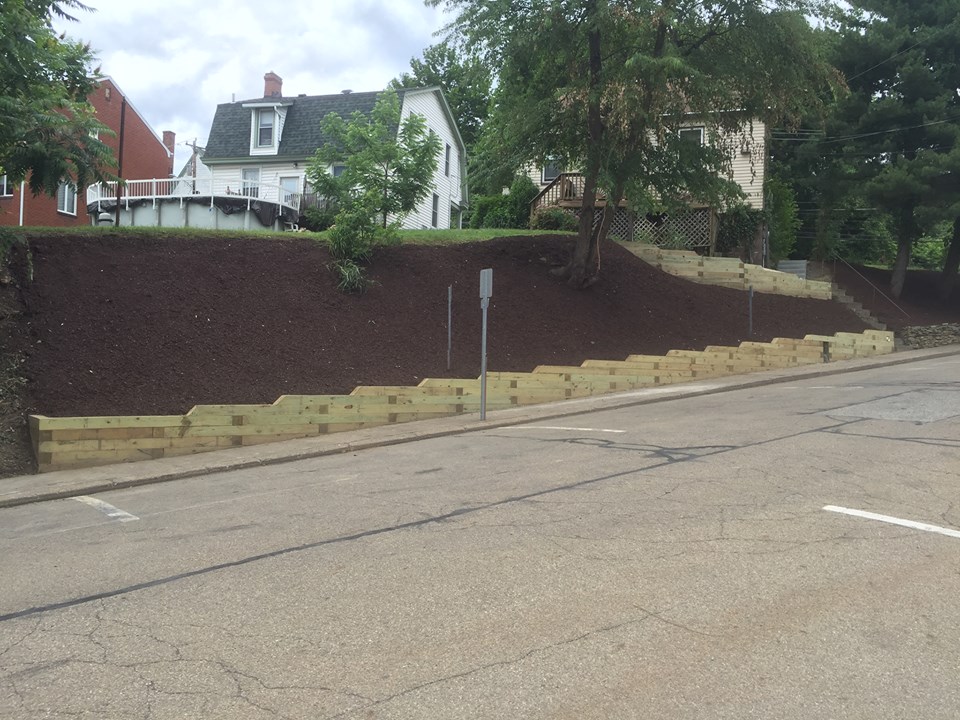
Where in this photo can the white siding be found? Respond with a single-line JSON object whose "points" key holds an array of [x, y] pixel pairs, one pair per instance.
{"points": [[749, 162], [228, 177], [448, 187], [748, 156]]}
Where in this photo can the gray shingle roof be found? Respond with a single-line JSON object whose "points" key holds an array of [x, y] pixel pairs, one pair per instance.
{"points": [[230, 133]]}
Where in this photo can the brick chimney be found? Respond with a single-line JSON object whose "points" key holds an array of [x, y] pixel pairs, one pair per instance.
{"points": [[272, 85], [170, 143]]}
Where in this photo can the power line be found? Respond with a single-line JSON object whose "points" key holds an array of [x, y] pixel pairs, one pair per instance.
{"points": [[842, 138], [892, 57]]}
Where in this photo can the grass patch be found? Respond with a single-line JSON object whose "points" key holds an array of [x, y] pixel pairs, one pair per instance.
{"points": [[411, 237], [157, 232], [455, 237]]}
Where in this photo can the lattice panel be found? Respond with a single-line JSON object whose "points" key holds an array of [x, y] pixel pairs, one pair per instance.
{"points": [[622, 226], [682, 231]]}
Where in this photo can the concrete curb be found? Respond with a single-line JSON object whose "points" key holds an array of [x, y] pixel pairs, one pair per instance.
{"points": [[25, 489]]}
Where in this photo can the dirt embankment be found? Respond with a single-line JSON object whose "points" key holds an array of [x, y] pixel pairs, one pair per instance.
{"points": [[150, 325]]}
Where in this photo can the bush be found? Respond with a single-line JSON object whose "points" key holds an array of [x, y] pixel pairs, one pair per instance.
{"points": [[315, 219], [504, 211], [499, 217], [16, 260], [352, 277], [351, 241], [522, 193], [554, 218], [480, 206], [738, 229], [784, 220], [351, 238], [929, 253]]}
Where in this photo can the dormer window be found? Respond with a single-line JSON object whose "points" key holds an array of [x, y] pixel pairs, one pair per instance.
{"points": [[265, 122], [266, 126]]}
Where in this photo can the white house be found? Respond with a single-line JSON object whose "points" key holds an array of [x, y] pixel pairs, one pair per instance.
{"points": [[748, 156], [253, 171], [694, 229], [260, 147]]}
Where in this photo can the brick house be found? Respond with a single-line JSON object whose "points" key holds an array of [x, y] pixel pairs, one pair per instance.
{"points": [[145, 154]]}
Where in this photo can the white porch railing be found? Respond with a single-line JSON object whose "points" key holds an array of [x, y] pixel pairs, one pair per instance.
{"points": [[158, 189]]}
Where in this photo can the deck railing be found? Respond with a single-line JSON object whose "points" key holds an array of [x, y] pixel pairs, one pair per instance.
{"points": [[158, 189], [565, 186]]}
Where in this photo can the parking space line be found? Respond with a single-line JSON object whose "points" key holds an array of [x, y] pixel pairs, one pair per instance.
{"points": [[926, 527], [114, 513], [560, 427]]}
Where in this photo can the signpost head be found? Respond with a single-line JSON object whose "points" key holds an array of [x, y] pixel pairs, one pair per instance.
{"points": [[486, 283]]}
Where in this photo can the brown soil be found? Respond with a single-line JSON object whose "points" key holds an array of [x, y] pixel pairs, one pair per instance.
{"points": [[918, 304], [148, 325]]}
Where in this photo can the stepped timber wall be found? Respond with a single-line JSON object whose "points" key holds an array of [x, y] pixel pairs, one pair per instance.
{"points": [[729, 272], [74, 442]]}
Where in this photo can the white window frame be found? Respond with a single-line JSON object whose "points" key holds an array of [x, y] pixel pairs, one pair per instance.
{"points": [[550, 164], [249, 188], [6, 187], [67, 199], [435, 213], [259, 114], [446, 161], [337, 170], [693, 128]]}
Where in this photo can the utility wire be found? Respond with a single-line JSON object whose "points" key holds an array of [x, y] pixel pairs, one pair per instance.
{"points": [[842, 138]]}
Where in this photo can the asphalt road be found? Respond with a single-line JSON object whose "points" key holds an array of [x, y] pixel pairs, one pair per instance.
{"points": [[673, 560]]}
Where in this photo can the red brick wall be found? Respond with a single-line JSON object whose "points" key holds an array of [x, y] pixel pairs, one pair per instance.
{"points": [[144, 156]]}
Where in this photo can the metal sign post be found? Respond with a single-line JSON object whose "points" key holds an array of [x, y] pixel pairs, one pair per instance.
{"points": [[486, 290]]}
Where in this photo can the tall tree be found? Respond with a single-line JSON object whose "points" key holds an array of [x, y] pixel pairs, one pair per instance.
{"points": [[387, 164], [48, 131], [465, 81], [606, 84], [893, 140]]}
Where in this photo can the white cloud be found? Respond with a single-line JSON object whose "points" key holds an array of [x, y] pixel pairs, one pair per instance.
{"points": [[177, 59]]}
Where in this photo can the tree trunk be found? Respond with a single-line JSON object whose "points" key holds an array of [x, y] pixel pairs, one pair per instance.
{"points": [[904, 248], [609, 215], [582, 269], [899, 275], [951, 264], [386, 185]]}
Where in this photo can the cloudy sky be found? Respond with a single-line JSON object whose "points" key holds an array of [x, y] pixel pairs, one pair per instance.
{"points": [[177, 59]]}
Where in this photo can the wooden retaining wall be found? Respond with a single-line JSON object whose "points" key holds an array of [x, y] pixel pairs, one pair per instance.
{"points": [[75, 442], [729, 272]]}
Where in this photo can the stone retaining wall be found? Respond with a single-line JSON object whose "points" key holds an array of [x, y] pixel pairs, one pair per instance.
{"points": [[930, 335]]}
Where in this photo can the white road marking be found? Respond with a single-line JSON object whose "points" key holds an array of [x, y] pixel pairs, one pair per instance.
{"points": [[552, 427], [114, 513], [926, 527]]}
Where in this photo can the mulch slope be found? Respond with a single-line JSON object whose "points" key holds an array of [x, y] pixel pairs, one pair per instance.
{"points": [[917, 305], [143, 325]]}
